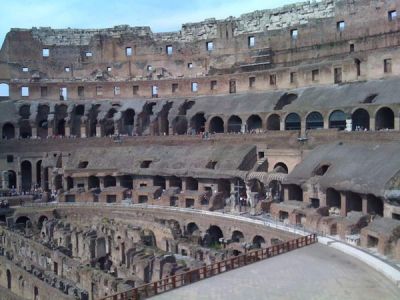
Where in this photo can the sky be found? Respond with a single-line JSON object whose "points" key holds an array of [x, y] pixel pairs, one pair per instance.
{"points": [[161, 16]]}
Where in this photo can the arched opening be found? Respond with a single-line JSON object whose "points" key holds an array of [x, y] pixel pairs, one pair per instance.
{"points": [[384, 119], [26, 175], [148, 238], [180, 125], [70, 183], [109, 181], [254, 122], [108, 122], [357, 62], [274, 122], [212, 236], [192, 184], [192, 229], [25, 111], [275, 188], [374, 205], [8, 131], [9, 279], [216, 125], [23, 220], [197, 123], [39, 172], [280, 167], [292, 122], [284, 100], [61, 128], [360, 119], [25, 130], [128, 119], [41, 120], [4, 90], [76, 121], [314, 120], [337, 119], [258, 241], [12, 179], [237, 236], [41, 221], [333, 198], [159, 181], [93, 182], [35, 293], [58, 182], [354, 201], [295, 192], [234, 124]]}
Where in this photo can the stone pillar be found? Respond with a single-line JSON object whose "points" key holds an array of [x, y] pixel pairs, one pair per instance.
{"points": [[17, 132], [184, 184], [34, 132], [34, 173], [83, 131], [285, 193], [282, 124], [343, 204], [116, 128], [19, 179], [98, 130], [364, 204], [303, 127], [396, 123], [67, 131], [372, 123], [50, 131], [118, 180], [167, 185], [101, 179], [326, 122], [86, 183], [225, 125]]}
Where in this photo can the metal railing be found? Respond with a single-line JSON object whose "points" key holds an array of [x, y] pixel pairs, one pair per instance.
{"points": [[186, 278]]}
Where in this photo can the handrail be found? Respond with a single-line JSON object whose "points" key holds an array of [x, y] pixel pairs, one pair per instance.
{"points": [[186, 278]]}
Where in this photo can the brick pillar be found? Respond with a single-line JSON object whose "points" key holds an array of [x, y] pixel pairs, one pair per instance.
{"points": [[67, 130], [303, 127], [98, 130], [167, 185], [184, 184], [343, 204], [282, 124], [396, 123], [34, 132], [83, 131], [326, 122]]}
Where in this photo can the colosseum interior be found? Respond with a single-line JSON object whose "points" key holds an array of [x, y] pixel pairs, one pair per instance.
{"points": [[129, 157]]}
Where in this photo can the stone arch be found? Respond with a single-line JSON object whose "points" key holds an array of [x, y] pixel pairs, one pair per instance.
{"points": [[234, 124], [92, 120], [281, 167], [148, 238], [192, 229], [333, 198], [212, 236], [42, 120], [254, 122], [274, 122], [8, 131], [292, 122], [41, 220], [93, 182], [25, 111], [197, 123], [237, 236], [109, 181], [258, 241], [314, 120], [337, 119], [4, 90], [108, 122], [275, 188], [360, 119], [76, 120], [22, 220], [216, 125], [12, 179], [180, 125], [26, 175], [384, 118], [25, 129], [128, 121]]}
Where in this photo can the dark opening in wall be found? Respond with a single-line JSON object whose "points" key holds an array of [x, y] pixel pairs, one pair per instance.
{"points": [[174, 87], [213, 85], [272, 79], [351, 48], [135, 89], [392, 15], [321, 170], [284, 100], [83, 164], [111, 198], [43, 91], [370, 99], [387, 65], [337, 75], [252, 81], [211, 164], [145, 164], [251, 41], [10, 158]]}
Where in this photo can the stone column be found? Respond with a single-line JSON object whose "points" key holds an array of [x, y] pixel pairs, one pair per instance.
{"points": [[326, 122], [34, 132], [98, 130], [282, 124], [343, 204], [372, 123], [1, 130], [17, 132], [116, 128], [18, 174], [50, 131], [68, 130], [34, 173], [285, 193], [303, 127], [396, 123], [167, 185], [364, 204], [83, 131], [101, 179], [118, 180], [184, 184]]}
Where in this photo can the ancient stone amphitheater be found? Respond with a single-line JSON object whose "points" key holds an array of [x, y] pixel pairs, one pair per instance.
{"points": [[135, 162]]}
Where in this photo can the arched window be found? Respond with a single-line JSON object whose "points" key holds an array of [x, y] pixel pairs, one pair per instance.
{"points": [[197, 123], [254, 122], [292, 122], [337, 119], [314, 120], [234, 124], [8, 131], [384, 119], [216, 125], [360, 119], [274, 122]]}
